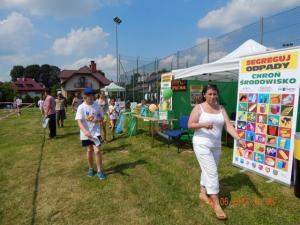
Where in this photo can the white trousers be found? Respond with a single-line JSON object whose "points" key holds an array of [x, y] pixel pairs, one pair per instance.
{"points": [[208, 159]]}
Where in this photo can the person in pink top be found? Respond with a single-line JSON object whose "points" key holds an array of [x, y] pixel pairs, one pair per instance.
{"points": [[49, 111]]}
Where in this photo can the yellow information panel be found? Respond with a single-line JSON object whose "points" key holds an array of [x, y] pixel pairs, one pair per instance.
{"points": [[297, 146], [267, 109]]}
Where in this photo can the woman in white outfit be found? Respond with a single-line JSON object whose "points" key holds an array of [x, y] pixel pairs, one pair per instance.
{"points": [[208, 119]]}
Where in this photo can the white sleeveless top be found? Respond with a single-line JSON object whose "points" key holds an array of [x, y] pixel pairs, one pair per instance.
{"points": [[210, 137]]}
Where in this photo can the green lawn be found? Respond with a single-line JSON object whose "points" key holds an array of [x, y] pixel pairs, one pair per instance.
{"points": [[45, 182], [3, 113]]}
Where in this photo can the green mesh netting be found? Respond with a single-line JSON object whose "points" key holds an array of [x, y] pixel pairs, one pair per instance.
{"points": [[131, 124]]}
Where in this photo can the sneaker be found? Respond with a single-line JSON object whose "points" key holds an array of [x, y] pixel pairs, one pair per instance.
{"points": [[90, 173], [101, 175]]}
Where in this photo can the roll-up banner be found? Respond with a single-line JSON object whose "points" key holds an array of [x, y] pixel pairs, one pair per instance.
{"points": [[267, 109], [165, 105]]}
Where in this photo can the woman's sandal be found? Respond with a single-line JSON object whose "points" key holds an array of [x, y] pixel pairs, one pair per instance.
{"points": [[220, 216], [208, 201]]}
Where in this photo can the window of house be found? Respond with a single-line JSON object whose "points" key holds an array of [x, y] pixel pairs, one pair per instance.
{"points": [[82, 81]]}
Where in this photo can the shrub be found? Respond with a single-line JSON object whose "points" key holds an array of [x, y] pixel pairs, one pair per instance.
{"points": [[69, 100], [27, 99], [36, 99], [7, 93]]}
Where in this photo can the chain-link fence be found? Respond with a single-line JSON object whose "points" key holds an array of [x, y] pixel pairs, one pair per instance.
{"points": [[141, 77]]}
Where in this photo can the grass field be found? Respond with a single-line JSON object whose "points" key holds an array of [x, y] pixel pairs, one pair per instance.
{"points": [[44, 182]]}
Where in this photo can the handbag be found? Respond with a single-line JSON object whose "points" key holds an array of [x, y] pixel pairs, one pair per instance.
{"points": [[45, 122]]}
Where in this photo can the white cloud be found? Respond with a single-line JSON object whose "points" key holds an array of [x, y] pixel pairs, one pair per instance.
{"points": [[168, 62], [201, 40], [241, 12], [55, 8], [16, 32], [16, 59], [213, 56], [59, 8], [202, 44], [47, 36], [105, 63], [188, 59], [8, 61], [81, 41]]}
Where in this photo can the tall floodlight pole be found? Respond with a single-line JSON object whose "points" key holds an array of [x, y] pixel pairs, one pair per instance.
{"points": [[117, 21]]}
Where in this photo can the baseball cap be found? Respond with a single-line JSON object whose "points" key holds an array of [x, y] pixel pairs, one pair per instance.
{"points": [[88, 91]]}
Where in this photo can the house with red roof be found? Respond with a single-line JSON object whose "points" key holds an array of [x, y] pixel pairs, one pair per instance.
{"points": [[76, 80], [24, 86]]}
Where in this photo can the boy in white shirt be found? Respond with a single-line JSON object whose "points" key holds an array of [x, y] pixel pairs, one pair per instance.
{"points": [[40, 105], [18, 105], [89, 116]]}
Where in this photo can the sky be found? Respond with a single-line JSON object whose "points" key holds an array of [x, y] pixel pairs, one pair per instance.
{"points": [[70, 33]]}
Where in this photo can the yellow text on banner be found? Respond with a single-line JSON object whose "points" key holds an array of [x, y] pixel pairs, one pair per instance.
{"points": [[284, 61]]}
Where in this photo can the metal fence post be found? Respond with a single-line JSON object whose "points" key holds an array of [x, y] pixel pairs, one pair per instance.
{"points": [[156, 73], [133, 86], [261, 30], [208, 50], [177, 59]]}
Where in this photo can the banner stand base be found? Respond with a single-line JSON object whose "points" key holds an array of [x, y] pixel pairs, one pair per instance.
{"points": [[269, 181], [243, 170]]}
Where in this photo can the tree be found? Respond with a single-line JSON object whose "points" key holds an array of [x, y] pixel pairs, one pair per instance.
{"points": [[16, 72], [45, 75], [32, 71], [27, 98], [101, 72], [54, 88], [54, 79], [163, 71], [7, 93], [49, 75]]}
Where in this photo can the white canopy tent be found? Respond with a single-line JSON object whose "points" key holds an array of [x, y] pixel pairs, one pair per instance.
{"points": [[112, 87], [224, 69]]}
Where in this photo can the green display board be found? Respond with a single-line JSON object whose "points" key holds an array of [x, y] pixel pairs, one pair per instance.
{"points": [[227, 98], [182, 99]]}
